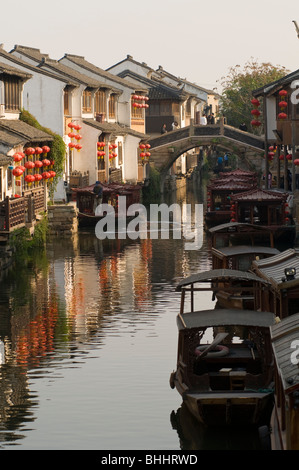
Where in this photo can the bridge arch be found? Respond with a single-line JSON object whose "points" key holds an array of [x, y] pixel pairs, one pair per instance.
{"points": [[166, 148]]}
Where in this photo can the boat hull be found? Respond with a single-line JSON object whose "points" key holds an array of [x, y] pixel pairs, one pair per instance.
{"points": [[230, 409]]}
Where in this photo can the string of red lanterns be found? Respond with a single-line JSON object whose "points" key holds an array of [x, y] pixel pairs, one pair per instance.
{"points": [[140, 98], [282, 104], [255, 112], [74, 135], [144, 154], [30, 178]]}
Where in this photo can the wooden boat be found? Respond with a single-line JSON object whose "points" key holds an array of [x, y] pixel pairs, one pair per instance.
{"points": [[267, 209], [240, 257], [219, 193], [284, 426], [282, 272], [86, 200], [227, 381], [219, 200], [236, 233]]}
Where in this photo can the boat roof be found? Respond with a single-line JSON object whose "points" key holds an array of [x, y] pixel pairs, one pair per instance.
{"points": [[219, 274], [283, 336], [110, 188], [259, 195], [225, 317], [239, 250], [229, 226], [273, 268]]}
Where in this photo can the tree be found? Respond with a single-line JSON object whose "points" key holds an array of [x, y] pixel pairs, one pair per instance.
{"points": [[237, 88]]}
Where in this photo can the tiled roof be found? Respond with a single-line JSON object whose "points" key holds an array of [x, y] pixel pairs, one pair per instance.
{"points": [[14, 132], [82, 62], [114, 128], [9, 70], [260, 195], [5, 159]]}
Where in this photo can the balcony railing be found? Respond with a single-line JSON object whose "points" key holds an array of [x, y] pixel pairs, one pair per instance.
{"points": [[17, 212]]}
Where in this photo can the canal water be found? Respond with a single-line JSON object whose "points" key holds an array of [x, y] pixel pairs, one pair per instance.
{"points": [[88, 340]]}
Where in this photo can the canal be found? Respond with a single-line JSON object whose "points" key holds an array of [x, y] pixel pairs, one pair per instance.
{"points": [[88, 340]]}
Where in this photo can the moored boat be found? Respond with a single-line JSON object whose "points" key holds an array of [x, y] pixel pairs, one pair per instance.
{"points": [[224, 367], [86, 200], [284, 426]]}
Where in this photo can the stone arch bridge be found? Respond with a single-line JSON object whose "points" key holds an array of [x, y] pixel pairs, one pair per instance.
{"points": [[166, 148]]}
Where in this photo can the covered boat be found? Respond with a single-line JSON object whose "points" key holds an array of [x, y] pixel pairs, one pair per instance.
{"points": [[285, 417], [269, 209], [224, 367], [86, 199], [237, 233], [282, 273]]}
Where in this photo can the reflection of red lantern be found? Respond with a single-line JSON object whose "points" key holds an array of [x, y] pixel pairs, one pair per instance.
{"points": [[281, 157], [296, 162], [289, 156]]}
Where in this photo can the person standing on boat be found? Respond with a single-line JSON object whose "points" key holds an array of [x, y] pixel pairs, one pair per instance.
{"points": [[98, 190]]}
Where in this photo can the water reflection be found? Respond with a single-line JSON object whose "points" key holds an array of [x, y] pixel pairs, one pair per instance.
{"points": [[62, 313]]}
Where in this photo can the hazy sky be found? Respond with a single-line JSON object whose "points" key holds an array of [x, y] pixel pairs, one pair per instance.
{"points": [[193, 39]]}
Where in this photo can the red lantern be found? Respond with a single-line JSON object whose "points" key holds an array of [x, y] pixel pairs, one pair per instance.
{"points": [[52, 174], [282, 116], [283, 93], [255, 112], [147, 146], [29, 151], [296, 162], [71, 135], [46, 175], [78, 136], [282, 104], [255, 123], [37, 177], [29, 179], [46, 162], [38, 150], [17, 157], [281, 157], [38, 164], [46, 149], [255, 102], [29, 165], [71, 145], [17, 172], [289, 156], [78, 147]]}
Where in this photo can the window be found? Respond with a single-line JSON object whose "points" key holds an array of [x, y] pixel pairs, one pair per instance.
{"points": [[100, 102], [112, 103], [86, 108], [12, 93], [66, 98]]}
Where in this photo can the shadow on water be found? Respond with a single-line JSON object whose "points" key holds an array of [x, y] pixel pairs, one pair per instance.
{"points": [[195, 436]]}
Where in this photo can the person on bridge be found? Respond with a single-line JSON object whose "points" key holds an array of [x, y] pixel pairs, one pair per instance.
{"points": [[175, 126], [203, 120], [163, 129]]}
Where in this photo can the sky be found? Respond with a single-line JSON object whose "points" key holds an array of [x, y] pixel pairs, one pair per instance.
{"points": [[193, 39]]}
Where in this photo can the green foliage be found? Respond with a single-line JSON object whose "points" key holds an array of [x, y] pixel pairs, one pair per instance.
{"points": [[151, 193], [57, 146], [237, 90], [22, 242]]}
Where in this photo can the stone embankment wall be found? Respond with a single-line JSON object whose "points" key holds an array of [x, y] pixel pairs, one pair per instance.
{"points": [[62, 220]]}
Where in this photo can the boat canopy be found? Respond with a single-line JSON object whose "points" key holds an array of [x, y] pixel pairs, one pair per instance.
{"points": [[273, 269], [232, 226], [220, 275], [225, 317], [284, 335], [239, 250]]}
